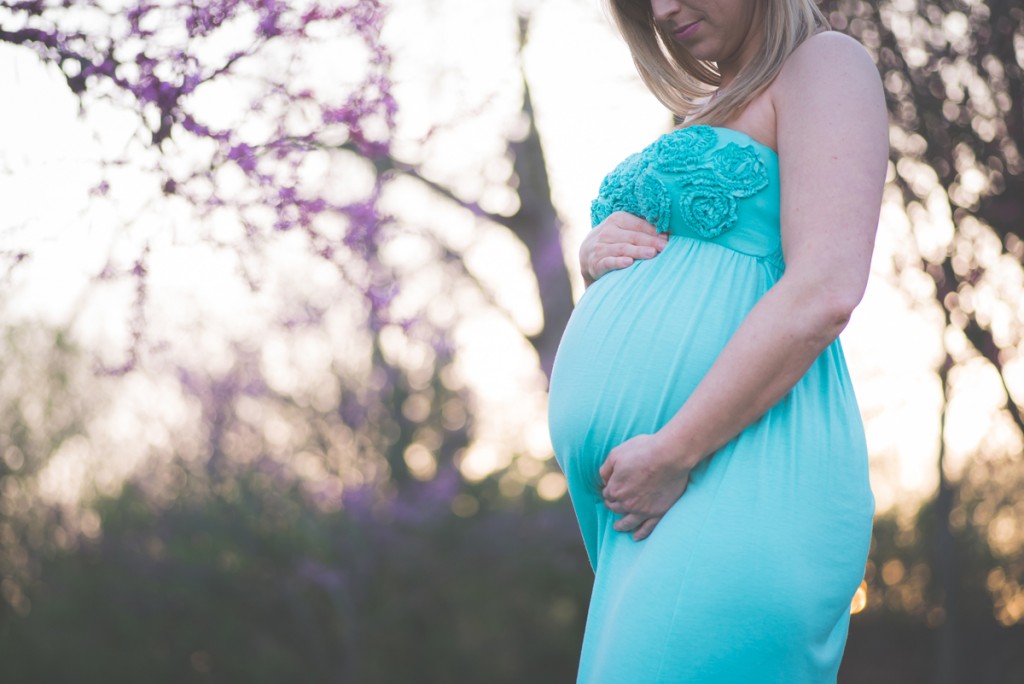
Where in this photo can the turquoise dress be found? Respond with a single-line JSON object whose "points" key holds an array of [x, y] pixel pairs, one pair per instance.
{"points": [[748, 578]]}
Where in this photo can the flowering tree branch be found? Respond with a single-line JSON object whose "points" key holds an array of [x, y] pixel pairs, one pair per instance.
{"points": [[167, 61]]}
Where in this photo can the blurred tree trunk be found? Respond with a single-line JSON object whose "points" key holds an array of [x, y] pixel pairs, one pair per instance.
{"points": [[538, 225], [946, 661], [535, 224]]}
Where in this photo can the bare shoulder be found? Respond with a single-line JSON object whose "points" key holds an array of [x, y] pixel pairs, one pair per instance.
{"points": [[831, 43], [833, 135], [829, 95], [830, 63]]}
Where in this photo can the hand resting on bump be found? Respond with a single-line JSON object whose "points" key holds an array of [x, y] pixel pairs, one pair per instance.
{"points": [[616, 243]]}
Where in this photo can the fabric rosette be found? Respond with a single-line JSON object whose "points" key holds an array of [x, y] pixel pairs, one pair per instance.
{"points": [[707, 209], [740, 170], [683, 149], [655, 203], [708, 180], [601, 208], [618, 190], [621, 180]]}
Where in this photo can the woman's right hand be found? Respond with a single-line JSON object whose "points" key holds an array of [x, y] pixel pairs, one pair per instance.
{"points": [[616, 243]]}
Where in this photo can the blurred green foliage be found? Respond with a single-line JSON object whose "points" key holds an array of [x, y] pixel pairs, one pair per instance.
{"points": [[252, 584], [228, 566], [249, 573], [894, 640]]}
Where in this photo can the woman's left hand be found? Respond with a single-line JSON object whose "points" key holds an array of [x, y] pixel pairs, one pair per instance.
{"points": [[642, 479]]}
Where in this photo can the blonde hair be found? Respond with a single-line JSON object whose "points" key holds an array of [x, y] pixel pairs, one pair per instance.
{"points": [[681, 81]]}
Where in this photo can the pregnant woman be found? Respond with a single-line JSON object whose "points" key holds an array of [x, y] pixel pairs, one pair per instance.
{"points": [[700, 405]]}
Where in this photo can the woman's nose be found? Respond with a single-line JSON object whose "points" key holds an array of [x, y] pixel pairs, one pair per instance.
{"points": [[664, 9]]}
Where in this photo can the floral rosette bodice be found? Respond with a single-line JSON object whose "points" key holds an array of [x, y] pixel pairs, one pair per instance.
{"points": [[692, 182]]}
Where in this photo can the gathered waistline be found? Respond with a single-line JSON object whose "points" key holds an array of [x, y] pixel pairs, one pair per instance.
{"points": [[774, 258]]}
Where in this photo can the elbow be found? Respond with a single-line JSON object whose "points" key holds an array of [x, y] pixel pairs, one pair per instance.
{"points": [[834, 310], [824, 309], [840, 306]]}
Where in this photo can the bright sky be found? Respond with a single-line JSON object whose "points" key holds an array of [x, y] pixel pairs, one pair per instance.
{"points": [[456, 73]]}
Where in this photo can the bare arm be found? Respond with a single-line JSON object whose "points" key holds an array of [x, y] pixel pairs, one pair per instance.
{"points": [[833, 147]]}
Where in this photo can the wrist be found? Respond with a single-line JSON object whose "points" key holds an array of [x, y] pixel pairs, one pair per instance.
{"points": [[678, 451]]}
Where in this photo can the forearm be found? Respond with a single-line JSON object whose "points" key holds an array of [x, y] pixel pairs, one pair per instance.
{"points": [[768, 354]]}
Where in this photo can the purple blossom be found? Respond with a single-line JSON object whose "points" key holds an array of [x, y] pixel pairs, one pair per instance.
{"points": [[147, 53], [268, 26], [286, 195], [381, 296], [105, 68], [314, 206], [207, 17], [191, 82], [194, 127], [243, 155], [135, 15]]}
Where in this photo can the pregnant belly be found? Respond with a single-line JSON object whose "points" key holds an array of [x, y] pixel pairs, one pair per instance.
{"points": [[639, 342]]}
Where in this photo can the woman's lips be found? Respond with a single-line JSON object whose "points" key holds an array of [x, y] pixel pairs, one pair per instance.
{"points": [[684, 32]]}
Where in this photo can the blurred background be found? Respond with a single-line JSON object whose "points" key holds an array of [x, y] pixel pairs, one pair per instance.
{"points": [[280, 287]]}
